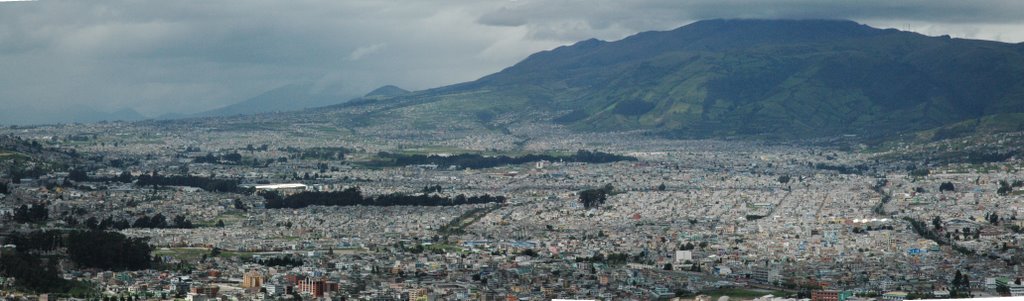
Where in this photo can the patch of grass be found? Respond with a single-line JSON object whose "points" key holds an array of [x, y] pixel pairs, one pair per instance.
{"points": [[13, 155], [229, 218], [443, 248]]}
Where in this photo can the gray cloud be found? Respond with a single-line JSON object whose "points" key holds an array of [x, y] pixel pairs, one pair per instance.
{"points": [[187, 56], [566, 19], [365, 50]]}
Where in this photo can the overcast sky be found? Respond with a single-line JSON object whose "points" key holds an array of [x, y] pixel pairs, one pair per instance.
{"points": [[188, 56]]}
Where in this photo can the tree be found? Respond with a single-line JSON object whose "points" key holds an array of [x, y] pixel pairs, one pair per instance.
{"points": [[529, 252], [26, 214], [593, 197], [181, 222], [21, 214], [239, 205], [661, 187], [141, 222], [78, 175], [1004, 188], [784, 179], [220, 223], [946, 186], [937, 223], [125, 177], [38, 212], [158, 221], [92, 223]]}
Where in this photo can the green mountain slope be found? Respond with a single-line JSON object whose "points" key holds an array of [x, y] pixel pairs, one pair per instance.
{"points": [[779, 78]]}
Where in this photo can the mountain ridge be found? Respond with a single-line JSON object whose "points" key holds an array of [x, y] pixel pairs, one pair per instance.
{"points": [[780, 78]]}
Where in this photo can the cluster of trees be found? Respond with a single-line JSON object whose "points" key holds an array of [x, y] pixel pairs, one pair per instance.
{"points": [[353, 197], [432, 189], [238, 204], [592, 198], [90, 249], [870, 228], [613, 258], [946, 186], [843, 169], [79, 175], [980, 157], [108, 250], [36, 213], [920, 172], [922, 229], [159, 221], [960, 283], [992, 218], [967, 234], [323, 153], [4, 188], [206, 183], [262, 148], [124, 177], [1005, 187], [420, 248], [691, 246], [286, 260], [19, 172], [232, 158], [1016, 229], [34, 274], [145, 221], [477, 161]]}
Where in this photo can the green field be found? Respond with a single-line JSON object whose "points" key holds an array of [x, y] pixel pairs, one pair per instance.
{"points": [[11, 155]]}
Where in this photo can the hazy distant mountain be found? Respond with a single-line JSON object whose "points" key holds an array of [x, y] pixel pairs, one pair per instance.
{"points": [[786, 78], [387, 91], [292, 97], [69, 114]]}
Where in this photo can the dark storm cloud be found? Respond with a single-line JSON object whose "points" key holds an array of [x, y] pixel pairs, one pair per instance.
{"points": [[188, 56]]}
